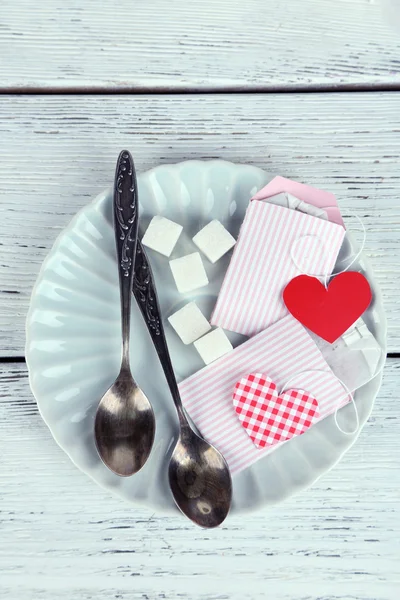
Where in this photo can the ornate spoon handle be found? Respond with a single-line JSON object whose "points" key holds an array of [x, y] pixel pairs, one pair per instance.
{"points": [[146, 296], [126, 228]]}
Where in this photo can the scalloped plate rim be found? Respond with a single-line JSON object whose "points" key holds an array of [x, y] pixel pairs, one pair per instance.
{"points": [[171, 509]]}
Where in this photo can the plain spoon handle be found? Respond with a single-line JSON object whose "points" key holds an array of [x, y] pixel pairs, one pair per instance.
{"points": [[145, 294], [126, 218]]}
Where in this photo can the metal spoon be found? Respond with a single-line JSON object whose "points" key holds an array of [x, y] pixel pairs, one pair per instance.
{"points": [[124, 424], [199, 476]]}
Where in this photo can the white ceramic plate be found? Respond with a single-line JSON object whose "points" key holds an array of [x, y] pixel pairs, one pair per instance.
{"points": [[73, 337]]}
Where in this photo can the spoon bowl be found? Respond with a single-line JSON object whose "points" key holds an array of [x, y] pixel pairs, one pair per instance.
{"points": [[199, 479], [124, 426]]}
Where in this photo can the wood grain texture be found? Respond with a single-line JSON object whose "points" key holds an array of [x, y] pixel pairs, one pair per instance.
{"points": [[208, 45], [63, 537], [58, 152]]}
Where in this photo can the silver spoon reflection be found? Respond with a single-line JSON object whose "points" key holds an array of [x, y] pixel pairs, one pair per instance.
{"points": [[198, 474]]}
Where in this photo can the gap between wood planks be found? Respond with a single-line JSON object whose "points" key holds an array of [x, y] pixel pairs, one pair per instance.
{"points": [[21, 359], [210, 88]]}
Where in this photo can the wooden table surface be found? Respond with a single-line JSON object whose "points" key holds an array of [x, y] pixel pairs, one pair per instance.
{"points": [[310, 90]]}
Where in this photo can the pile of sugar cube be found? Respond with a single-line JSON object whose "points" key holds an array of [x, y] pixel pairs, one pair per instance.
{"points": [[214, 241]]}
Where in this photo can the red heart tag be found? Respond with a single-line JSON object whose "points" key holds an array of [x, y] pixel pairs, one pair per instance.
{"points": [[268, 417], [328, 312]]}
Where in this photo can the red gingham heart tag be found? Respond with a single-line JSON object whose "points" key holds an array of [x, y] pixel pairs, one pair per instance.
{"points": [[269, 418]]}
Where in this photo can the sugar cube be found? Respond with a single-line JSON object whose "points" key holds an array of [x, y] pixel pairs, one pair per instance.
{"points": [[189, 272], [189, 323], [214, 240], [213, 346], [162, 235]]}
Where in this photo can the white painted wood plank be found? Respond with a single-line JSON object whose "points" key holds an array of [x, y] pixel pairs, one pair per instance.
{"points": [[58, 152], [180, 45], [62, 537]]}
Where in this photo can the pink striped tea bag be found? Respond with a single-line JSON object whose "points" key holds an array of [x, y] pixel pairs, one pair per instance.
{"points": [[275, 244], [304, 193], [284, 352]]}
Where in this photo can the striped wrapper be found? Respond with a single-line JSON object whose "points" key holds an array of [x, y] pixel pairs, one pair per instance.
{"points": [[284, 352], [262, 264]]}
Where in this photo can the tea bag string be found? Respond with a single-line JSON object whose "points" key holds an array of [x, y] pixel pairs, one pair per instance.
{"points": [[349, 393], [325, 276]]}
